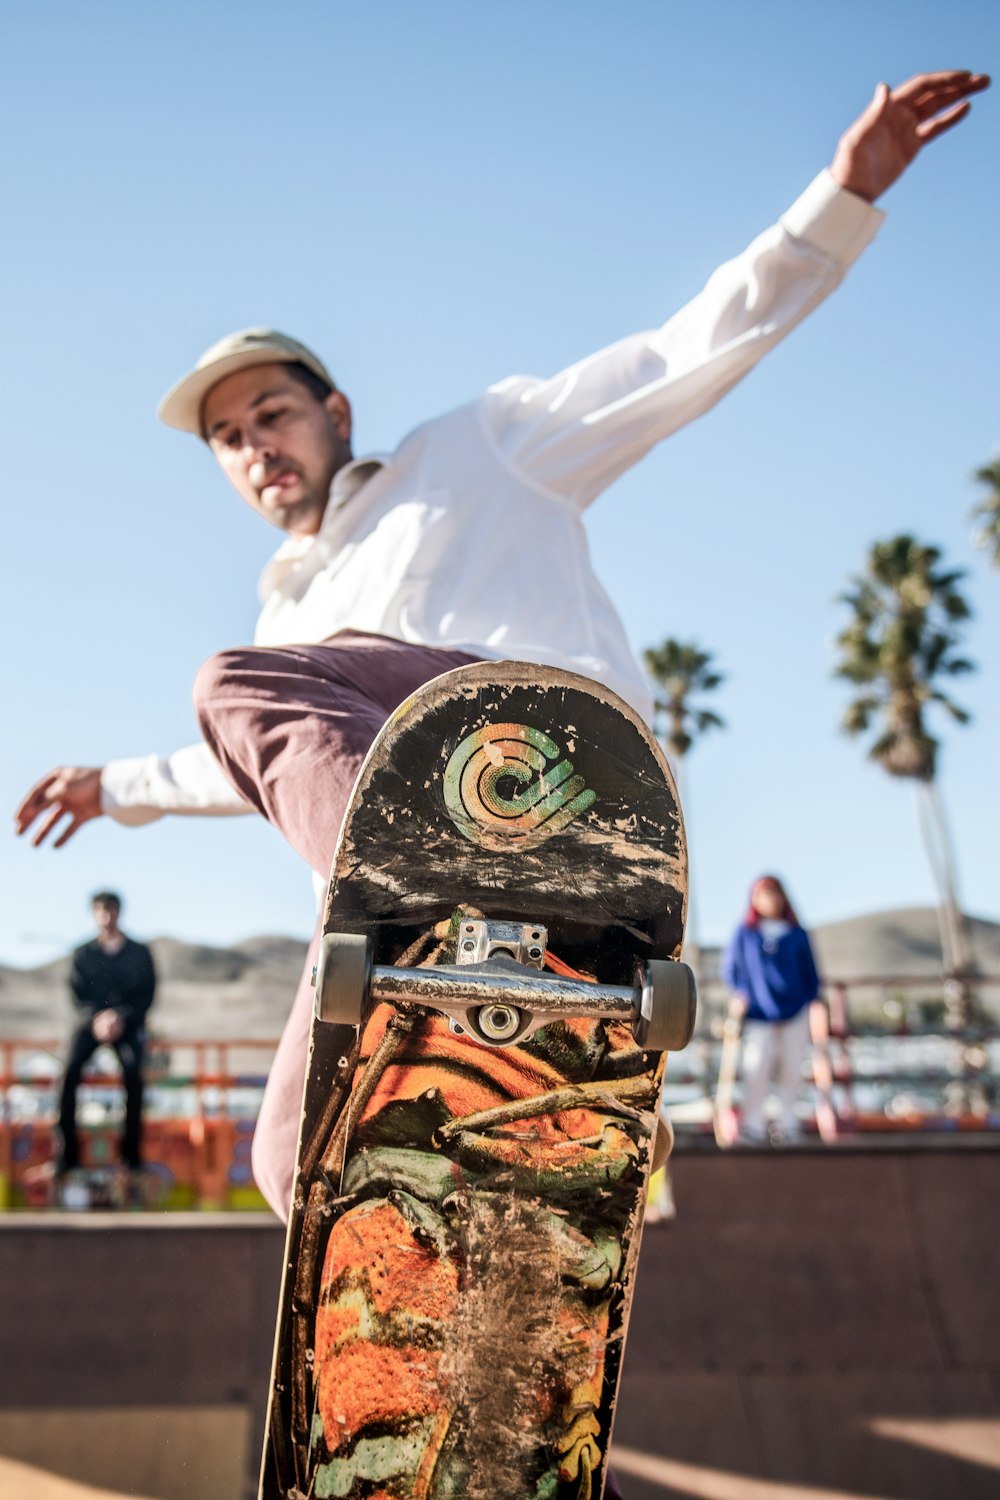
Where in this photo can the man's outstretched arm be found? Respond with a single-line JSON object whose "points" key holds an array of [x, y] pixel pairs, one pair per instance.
{"points": [[572, 435], [132, 792]]}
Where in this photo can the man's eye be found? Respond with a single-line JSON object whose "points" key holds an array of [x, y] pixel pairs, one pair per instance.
{"points": [[268, 418], [232, 440]]}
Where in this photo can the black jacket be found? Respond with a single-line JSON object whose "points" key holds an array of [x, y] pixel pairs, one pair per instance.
{"points": [[124, 982]]}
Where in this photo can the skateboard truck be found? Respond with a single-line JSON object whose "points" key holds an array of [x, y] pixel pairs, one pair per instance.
{"points": [[501, 998]]}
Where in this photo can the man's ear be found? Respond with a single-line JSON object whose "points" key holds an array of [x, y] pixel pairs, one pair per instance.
{"points": [[339, 408]]}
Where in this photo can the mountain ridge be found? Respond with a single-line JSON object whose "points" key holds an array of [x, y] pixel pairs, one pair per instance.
{"points": [[246, 989]]}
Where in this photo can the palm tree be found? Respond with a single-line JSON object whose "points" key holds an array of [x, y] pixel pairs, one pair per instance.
{"points": [[900, 644], [680, 669], [987, 511]]}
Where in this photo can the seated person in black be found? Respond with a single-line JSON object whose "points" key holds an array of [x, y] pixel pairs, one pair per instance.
{"points": [[113, 984]]}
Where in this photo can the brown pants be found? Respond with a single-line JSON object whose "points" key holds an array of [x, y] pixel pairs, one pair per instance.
{"points": [[290, 726]]}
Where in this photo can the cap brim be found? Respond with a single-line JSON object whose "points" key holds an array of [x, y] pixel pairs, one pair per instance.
{"points": [[181, 406]]}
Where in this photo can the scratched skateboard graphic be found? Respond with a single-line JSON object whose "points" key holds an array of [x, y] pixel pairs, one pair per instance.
{"points": [[498, 986]]}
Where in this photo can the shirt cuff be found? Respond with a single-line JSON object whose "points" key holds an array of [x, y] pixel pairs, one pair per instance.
{"points": [[125, 792], [832, 219]]}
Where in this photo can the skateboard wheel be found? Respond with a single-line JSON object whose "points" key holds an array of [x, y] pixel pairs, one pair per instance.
{"points": [[343, 977], [668, 1006]]}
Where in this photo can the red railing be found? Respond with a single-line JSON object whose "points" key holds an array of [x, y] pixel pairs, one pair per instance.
{"points": [[201, 1103], [907, 1073]]}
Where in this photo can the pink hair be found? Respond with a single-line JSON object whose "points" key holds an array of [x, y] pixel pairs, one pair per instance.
{"points": [[770, 882]]}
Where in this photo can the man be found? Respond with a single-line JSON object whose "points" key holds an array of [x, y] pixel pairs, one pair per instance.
{"points": [[113, 984], [467, 543]]}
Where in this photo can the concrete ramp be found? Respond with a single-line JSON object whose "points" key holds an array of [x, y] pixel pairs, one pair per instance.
{"points": [[813, 1326], [818, 1325]]}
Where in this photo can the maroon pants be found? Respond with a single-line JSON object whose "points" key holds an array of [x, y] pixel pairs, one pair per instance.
{"points": [[290, 726]]}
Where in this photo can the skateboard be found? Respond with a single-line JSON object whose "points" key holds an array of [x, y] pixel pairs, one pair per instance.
{"points": [[725, 1121], [498, 983]]}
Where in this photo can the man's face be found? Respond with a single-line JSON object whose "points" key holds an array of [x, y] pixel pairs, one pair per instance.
{"points": [[278, 445], [105, 916]]}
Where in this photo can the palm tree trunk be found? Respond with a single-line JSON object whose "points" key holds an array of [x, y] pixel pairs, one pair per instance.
{"points": [[962, 939], [928, 833], [955, 941]]}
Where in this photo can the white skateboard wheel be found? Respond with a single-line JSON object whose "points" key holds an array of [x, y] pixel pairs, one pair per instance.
{"points": [[669, 1004], [343, 978]]}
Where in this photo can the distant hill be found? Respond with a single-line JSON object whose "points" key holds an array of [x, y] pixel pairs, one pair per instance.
{"points": [[203, 992], [246, 990], [904, 942]]}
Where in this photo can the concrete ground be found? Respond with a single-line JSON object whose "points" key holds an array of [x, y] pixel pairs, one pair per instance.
{"points": [[812, 1326]]}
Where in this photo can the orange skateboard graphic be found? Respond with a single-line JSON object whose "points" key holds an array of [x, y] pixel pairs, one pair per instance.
{"points": [[497, 987]]}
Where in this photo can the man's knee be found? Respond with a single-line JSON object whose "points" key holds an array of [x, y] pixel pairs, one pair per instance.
{"points": [[218, 680]]}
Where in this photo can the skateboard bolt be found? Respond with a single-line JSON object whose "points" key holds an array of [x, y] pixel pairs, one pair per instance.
{"points": [[499, 1022]]}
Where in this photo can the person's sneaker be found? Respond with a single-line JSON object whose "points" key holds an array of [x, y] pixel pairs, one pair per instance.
{"points": [[73, 1191], [136, 1195]]}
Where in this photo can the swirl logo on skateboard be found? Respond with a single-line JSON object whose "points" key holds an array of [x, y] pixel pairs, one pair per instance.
{"points": [[509, 784]]}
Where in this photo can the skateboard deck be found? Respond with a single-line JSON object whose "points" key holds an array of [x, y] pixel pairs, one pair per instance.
{"points": [[496, 986]]}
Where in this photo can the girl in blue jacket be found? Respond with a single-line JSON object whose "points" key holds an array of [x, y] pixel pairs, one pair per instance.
{"points": [[770, 966]]}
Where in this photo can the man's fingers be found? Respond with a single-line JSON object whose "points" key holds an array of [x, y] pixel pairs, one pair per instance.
{"points": [[47, 826], [923, 83], [931, 129], [929, 103], [877, 106], [34, 802], [67, 834]]}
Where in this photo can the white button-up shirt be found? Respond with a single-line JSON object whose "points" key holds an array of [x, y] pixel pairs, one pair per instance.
{"points": [[470, 536]]}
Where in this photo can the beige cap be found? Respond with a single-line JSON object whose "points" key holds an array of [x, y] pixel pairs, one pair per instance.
{"points": [[181, 406]]}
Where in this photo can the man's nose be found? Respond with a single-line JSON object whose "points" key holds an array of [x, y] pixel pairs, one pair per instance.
{"points": [[258, 446]]}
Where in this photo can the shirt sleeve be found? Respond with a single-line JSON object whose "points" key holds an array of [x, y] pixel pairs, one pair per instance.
{"points": [[142, 989], [573, 434], [733, 969], [190, 782], [810, 974], [79, 984]]}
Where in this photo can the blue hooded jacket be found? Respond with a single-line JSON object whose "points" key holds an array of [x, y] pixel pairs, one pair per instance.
{"points": [[777, 977]]}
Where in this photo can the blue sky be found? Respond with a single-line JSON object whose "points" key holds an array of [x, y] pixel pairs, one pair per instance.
{"points": [[435, 194]]}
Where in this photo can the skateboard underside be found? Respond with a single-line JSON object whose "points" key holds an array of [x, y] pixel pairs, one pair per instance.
{"points": [[466, 1218]]}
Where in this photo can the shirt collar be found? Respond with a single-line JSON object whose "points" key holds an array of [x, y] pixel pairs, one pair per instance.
{"points": [[347, 482], [352, 477]]}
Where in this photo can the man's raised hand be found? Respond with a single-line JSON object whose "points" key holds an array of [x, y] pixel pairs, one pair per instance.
{"points": [[72, 792], [897, 124]]}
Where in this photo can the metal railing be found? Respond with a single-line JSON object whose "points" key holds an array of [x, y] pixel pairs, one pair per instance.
{"points": [[882, 1059], [201, 1101]]}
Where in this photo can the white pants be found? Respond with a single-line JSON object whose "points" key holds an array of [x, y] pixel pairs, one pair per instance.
{"points": [[778, 1048]]}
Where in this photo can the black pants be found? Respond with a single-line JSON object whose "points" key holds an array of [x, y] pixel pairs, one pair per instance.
{"points": [[129, 1048]]}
